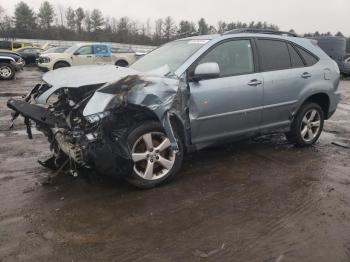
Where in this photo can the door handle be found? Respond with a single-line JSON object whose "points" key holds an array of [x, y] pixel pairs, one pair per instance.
{"points": [[254, 82], [89, 56], [306, 75]]}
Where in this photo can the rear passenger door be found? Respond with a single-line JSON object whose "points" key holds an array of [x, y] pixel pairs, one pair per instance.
{"points": [[285, 75]]}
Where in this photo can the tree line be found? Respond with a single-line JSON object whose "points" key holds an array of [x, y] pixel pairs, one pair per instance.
{"points": [[60, 23], [91, 25]]}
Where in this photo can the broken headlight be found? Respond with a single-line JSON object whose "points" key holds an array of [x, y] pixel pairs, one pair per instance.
{"points": [[44, 59], [97, 117]]}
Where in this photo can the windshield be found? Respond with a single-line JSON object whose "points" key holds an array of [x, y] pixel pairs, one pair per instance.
{"points": [[172, 55], [72, 49], [57, 49]]}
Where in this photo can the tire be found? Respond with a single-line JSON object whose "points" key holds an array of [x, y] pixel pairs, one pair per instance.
{"points": [[7, 71], [151, 158], [121, 63], [60, 65], [309, 117]]}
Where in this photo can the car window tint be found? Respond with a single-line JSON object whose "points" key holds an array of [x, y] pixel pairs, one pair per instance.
{"points": [[233, 57], [274, 55], [295, 57], [5, 44], [85, 50], [17, 45], [308, 58]]}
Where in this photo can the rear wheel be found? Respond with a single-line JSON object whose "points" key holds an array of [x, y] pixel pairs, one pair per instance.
{"points": [[155, 162], [60, 65], [307, 125], [7, 71]]}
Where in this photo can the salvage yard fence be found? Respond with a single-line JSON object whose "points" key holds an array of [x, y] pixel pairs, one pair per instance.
{"points": [[41, 42]]}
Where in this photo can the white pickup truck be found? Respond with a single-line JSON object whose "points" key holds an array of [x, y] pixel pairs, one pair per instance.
{"points": [[86, 54]]}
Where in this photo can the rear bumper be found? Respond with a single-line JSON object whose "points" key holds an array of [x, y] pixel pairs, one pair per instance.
{"points": [[334, 101]]}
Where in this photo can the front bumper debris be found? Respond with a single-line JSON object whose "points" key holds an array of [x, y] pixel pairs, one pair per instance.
{"points": [[40, 115]]}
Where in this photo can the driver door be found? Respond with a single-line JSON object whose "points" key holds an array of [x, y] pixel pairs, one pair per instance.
{"points": [[230, 104], [83, 56]]}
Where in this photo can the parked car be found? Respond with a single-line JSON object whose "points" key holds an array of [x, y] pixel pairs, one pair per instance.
{"points": [[29, 54], [85, 54], [10, 62], [140, 121], [346, 67], [12, 45]]}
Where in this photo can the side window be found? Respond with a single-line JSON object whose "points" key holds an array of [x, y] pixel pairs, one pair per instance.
{"points": [[102, 50], [295, 57], [274, 55], [308, 58], [233, 57], [85, 50]]}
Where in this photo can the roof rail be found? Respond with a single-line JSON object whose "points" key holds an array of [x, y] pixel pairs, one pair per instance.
{"points": [[259, 31]]}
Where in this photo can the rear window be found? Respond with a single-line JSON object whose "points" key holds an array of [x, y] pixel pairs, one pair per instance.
{"points": [[309, 59], [5, 44], [274, 55], [295, 58]]}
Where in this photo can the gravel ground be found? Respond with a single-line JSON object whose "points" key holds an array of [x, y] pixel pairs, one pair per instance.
{"points": [[256, 200]]}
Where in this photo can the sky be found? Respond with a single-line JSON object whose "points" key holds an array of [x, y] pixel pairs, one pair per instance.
{"points": [[301, 15]]}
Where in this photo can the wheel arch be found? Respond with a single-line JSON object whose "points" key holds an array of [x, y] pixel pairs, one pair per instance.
{"points": [[6, 60], [122, 60], [170, 121], [61, 61], [320, 98]]}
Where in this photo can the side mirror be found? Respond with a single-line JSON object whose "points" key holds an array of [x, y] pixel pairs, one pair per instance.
{"points": [[76, 53], [206, 71]]}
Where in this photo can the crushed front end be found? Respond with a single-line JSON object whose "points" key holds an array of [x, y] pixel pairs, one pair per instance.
{"points": [[87, 125]]}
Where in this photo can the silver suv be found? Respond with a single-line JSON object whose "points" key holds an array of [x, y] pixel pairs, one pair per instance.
{"points": [[140, 121]]}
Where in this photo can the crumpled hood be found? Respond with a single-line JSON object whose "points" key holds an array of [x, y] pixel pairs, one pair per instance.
{"points": [[77, 76], [159, 94], [154, 92]]}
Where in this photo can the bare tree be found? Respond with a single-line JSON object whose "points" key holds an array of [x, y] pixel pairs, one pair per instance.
{"points": [[70, 16], [80, 15], [96, 20], [159, 23], [169, 28], [87, 21]]}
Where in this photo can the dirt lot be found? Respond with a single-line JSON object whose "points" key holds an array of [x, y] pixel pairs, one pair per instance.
{"points": [[258, 200]]}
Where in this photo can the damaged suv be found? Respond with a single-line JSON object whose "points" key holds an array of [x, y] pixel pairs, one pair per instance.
{"points": [[138, 122]]}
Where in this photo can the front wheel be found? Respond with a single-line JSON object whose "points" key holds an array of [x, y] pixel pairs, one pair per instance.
{"points": [[60, 65], [7, 71], [155, 162], [122, 63], [307, 125]]}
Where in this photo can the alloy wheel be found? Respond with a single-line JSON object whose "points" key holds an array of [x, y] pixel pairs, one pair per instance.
{"points": [[310, 125], [153, 156], [5, 71]]}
